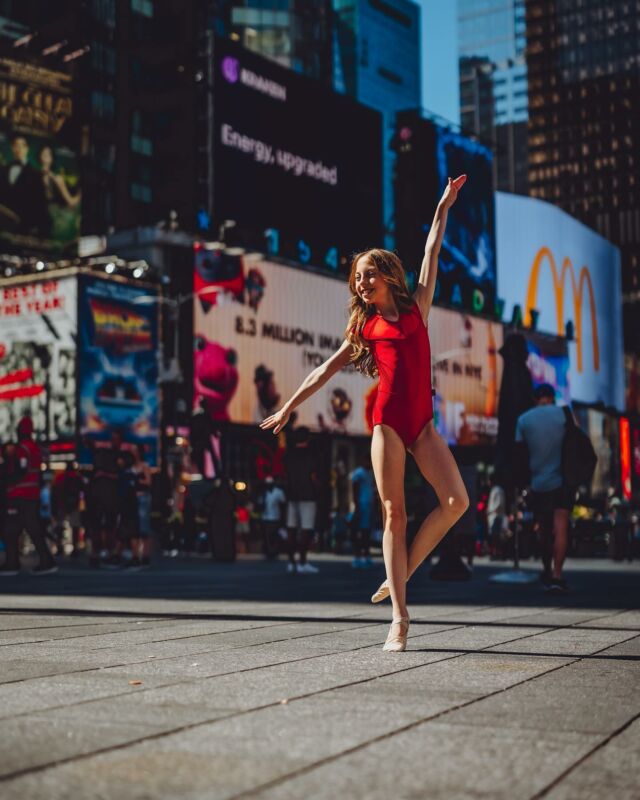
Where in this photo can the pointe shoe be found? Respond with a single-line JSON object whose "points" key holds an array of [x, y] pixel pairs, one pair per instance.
{"points": [[397, 643], [381, 593]]}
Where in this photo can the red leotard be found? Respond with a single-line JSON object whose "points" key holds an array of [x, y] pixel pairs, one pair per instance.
{"points": [[402, 354]]}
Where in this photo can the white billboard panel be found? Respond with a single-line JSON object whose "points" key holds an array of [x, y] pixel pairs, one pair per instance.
{"points": [[38, 326], [554, 264]]}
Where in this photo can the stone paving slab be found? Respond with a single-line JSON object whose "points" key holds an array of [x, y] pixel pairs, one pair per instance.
{"points": [[228, 681]]}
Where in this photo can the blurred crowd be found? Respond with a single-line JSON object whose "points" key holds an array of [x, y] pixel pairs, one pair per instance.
{"points": [[120, 514]]}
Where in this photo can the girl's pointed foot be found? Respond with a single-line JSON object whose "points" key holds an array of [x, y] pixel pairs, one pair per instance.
{"points": [[381, 593], [397, 638]]}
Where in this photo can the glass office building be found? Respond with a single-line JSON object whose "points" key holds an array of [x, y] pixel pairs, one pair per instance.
{"points": [[493, 83], [376, 60]]}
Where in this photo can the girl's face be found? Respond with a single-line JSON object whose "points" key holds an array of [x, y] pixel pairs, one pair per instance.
{"points": [[370, 284]]}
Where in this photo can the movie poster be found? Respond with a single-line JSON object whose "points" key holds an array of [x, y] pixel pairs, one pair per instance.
{"points": [[118, 365], [40, 198], [38, 323]]}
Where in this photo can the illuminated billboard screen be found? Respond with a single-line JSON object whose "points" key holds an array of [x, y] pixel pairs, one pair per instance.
{"points": [[40, 196], [38, 325], [466, 376], [427, 155], [255, 344], [118, 365], [295, 159], [548, 362], [551, 263]]}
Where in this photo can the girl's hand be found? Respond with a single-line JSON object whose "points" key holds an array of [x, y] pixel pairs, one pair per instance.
{"points": [[451, 192], [276, 421]]}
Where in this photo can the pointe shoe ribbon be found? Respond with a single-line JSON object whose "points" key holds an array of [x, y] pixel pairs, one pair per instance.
{"points": [[381, 593], [397, 643]]}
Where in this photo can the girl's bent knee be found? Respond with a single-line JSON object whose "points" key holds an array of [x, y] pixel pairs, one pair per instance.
{"points": [[456, 505]]}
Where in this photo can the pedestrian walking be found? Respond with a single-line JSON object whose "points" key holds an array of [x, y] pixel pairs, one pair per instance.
{"points": [[142, 472], [362, 483], [22, 511], [103, 501], [387, 336], [300, 464], [273, 501], [68, 490], [542, 429]]}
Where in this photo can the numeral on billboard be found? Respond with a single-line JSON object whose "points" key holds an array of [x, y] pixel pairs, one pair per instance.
{"points": [[304, 251], [331, 258], [272, 236]]}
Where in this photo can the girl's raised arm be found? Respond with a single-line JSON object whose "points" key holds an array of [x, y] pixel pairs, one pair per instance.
{"points": [[423, 294], [314, 380]]}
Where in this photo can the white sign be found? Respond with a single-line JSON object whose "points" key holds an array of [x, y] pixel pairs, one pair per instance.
{"points": [[554, 264]]}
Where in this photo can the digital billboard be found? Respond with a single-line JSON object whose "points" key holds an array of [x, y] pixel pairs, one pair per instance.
{"points": [[548, 362], [262, 336], [40, 199], [466, 376], [296, 167], [118, 364], [38, 325], [555, 266], [427, 155], [603, 431]]}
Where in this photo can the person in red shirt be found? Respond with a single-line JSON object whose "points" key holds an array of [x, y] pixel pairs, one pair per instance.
{"points": [[23, 503]]}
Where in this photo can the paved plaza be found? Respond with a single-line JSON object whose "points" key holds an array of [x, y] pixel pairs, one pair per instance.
{"points": [[202, 680]]}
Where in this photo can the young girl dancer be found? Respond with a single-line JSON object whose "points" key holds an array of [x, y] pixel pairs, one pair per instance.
{"points": [[387, 336]]}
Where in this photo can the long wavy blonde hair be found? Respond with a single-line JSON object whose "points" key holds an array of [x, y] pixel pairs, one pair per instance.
{"points": [[391, 269]]}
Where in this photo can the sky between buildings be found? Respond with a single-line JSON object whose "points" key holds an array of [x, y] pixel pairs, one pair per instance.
{"points": [[440, 90]]}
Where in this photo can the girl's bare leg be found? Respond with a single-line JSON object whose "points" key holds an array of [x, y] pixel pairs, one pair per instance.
{"points": [[388, 459], [438, 466]]}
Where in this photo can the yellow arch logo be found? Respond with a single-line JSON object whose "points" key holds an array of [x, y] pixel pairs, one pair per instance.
{"points": [[584, 279]]}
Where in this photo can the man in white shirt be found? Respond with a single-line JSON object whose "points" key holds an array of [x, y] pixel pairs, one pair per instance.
{"points": [[273, 501]]}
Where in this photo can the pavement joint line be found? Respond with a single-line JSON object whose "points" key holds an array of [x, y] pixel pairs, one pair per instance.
{"points": [[559, 778], [79, 636], [257, 790], [275, 704]]}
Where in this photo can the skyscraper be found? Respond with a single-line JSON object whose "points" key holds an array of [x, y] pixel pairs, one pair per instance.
{"points": [[376, 60], [583, 62], [493, 84]]}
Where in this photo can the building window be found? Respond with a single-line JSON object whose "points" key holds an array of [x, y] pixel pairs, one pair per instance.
{"points": [[103, 58], [103, 105], [141, 192], [104, 11], [390, 11], [388, 75], [142, 7]]}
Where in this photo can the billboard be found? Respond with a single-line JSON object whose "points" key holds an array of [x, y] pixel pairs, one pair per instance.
{"points": [[603, 432], [255, 345], [38, 324], [40, 198], [427, 155], [548, 362], [555, 265], [118, 364], [466, 376], [294, 159]]}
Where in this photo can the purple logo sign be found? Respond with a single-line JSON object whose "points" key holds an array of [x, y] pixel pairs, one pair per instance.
{"points": [[231, 69]]}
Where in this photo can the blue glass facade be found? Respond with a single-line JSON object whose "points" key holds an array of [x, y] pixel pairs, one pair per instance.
{"points": [[376, 59]]}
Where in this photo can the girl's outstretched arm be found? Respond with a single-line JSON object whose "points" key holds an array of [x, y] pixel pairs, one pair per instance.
{"points": [[423, 294], [314, 380]]}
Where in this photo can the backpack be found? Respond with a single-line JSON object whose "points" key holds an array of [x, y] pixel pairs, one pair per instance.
{"points": [[579, 459]]}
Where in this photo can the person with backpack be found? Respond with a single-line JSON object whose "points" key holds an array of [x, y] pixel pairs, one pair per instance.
{"points": [[542, 429]]}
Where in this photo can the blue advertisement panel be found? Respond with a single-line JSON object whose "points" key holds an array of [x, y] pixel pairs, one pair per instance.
{"points": [[553, 266], [548, 362], [468, 256], [428, 154], [118, 365]]}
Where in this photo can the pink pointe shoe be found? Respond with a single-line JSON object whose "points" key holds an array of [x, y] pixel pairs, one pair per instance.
{"points": [[381, 593], [397, 643]]}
